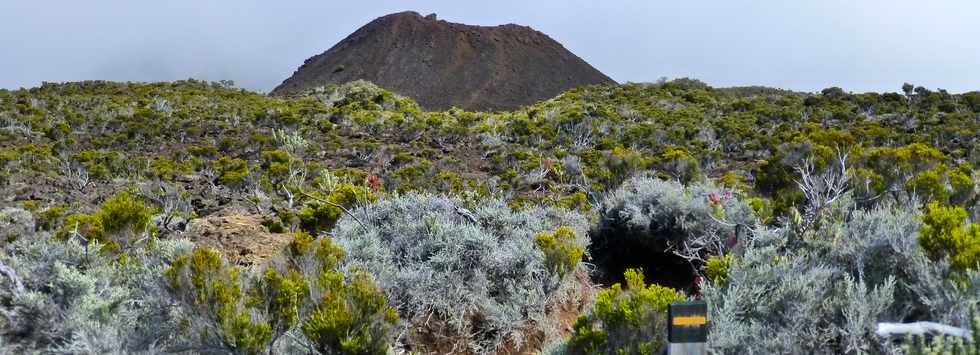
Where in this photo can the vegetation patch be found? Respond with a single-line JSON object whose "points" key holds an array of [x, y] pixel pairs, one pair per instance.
{"points": [[476, 275]]}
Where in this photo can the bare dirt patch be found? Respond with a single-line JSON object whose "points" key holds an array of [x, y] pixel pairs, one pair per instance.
{"points": [[241, 237]]}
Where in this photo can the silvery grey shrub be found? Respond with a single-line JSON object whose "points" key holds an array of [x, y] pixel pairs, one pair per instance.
{"points": [[60, 297], [646, 206], [469, 273], [825, 295], [15, 221], [649, 215]]}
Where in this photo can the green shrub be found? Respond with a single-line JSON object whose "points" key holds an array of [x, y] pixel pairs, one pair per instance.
{"points": [[762, 208], [51, 217], [631, 321], [245, 311], [120, 221], [577, 201], [448, 182], [946, 234], [276, 163], [123, 213], [318, 216], [352, 316], [680, 164], [231, 171], [168, 170], [213, 290], [930, 185], [561, 250], [274, 224], [284, 294], [716, 268]]}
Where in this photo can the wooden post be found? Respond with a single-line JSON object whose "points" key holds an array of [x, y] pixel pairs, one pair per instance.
{"points": [[687, 328]]}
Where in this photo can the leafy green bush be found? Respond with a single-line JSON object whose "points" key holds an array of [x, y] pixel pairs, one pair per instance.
{"points": [[631, 321], [120, 221], [353, 316], [562, 251], [716, 269], [680, 164], [213, 290], [322, 212], [231, 171], [303, 291], [124, 213], [946, 234], [51, 217]]}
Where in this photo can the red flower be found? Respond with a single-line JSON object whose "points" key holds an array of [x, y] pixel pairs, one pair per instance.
{"points": [[713, 198], [374, 182]]}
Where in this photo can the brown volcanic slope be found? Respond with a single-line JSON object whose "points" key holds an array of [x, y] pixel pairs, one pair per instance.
{"points": [[442, 64]]}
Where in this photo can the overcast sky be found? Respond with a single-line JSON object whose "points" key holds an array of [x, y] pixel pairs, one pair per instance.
{"points": [[860, 45]]}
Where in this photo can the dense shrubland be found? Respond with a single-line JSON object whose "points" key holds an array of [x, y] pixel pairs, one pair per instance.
{"points": [[468, 276], [803, 219]]}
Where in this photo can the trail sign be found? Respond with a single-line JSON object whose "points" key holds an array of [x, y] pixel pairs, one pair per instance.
{"points": [[687, 328]]}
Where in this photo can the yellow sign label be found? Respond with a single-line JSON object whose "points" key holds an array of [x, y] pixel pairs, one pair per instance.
{"points": [[690, 321]]}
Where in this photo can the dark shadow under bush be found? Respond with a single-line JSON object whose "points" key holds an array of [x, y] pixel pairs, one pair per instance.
{"points": [[613, 252]]}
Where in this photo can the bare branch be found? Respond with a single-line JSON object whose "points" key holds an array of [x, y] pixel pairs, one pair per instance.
{"points": [[14, 279], [76, 174], [822, 188], [920, 328]]}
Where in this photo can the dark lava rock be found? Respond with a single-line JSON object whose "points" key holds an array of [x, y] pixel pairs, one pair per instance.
{"points": [[442, 64]]}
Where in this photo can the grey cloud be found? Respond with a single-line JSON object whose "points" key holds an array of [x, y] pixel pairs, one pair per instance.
{"points": [[802, 45]]}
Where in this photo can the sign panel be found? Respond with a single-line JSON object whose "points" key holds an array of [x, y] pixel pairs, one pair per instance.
{"points": [[688, 322]]}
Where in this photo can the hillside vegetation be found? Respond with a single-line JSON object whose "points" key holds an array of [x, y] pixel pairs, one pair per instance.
{"points": [[194, 217]]}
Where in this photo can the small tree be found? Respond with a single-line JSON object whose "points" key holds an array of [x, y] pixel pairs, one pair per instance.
{"points": [[631, 321]]}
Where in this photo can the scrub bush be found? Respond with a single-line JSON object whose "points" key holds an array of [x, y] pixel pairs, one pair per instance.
{"points": [[561, 250], [319, 216], [214, 296], [631, 321], [231, 171], [648, 216], [351, 315], [716, 269], [56, 298], [120, 221], [945, 233], [472, 276], [826, 294], [248, 311]]}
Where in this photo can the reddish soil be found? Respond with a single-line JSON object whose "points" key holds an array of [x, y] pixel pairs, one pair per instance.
{"points": [[442, 64]]}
